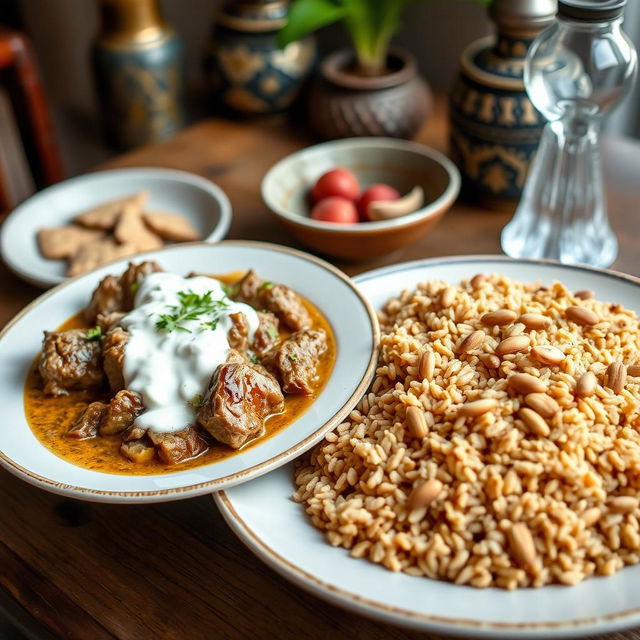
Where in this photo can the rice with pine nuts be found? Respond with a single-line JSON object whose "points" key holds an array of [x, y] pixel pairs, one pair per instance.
{"points": [[535, 484]]}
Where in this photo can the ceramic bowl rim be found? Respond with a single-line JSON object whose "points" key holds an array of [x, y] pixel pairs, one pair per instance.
{"points": [[431, 209], [39, 198]]}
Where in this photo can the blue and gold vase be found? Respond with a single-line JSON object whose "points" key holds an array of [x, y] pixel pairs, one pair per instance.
{"points": [[137, 63], [495, 129], [246, 72]]}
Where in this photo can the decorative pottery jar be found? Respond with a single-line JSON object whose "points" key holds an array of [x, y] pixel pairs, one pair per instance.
{"points": [[137, 63], [495, 129], [245, 69], [343, 104]]}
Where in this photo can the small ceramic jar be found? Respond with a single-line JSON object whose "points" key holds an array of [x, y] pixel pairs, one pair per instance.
{"points": [[343, 104], [245, 70]]}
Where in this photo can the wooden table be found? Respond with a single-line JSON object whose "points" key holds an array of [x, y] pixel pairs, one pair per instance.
{"points": [[175, 571]]}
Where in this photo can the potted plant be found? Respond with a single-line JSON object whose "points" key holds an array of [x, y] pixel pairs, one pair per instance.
{"points": [[372, 89]]}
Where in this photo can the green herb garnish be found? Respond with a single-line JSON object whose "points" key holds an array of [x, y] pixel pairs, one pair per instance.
{"points": [[95, 333], [196, 401], [273, 333], [254, 358], [293, 357], [230, 290], [265, 286], [134, 286], [192, 307]]}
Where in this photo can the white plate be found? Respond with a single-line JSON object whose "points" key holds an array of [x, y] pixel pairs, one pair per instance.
{"points": [[263, 515], [203, 203], [351, 317]]}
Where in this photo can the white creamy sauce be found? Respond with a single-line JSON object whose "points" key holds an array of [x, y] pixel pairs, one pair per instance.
{"points": [[171, 368]]}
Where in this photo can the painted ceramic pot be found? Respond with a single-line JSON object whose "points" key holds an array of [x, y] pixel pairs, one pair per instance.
{"points": [[343, 105], [495, 129], [246, 71], [137, 63]]}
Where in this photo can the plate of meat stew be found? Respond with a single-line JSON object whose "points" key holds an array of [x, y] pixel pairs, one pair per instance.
{"points": [[187, 370]]}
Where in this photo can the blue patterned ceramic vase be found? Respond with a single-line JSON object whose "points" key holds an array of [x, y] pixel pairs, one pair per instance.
{"points": [[137, 62], [246, 71], [495, 129]]}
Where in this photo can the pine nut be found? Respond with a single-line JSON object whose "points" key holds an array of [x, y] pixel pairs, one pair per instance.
{"points": [[424, 494], [522, 545], [633, 370], [547, 354], [584, 294], [472, 341], [535, 321], [513, 344], [616, 377], [499, 318], [489, 360], [416, 422], [525, 383], [582, 316], [543, 404], [535, 422], [591, 516], [427, 365], [586, 385], [448, 296], [478, 281], [622, 504], [477, 407]]}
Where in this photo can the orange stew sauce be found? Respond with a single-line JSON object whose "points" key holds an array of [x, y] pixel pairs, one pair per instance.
{"points": [[51, 417]]}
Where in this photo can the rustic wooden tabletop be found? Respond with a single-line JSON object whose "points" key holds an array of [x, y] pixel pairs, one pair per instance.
{"points": [[175, 571]]}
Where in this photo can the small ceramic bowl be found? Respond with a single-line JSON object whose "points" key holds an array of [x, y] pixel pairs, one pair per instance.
{"points": [[399, 163], [203, 203]]}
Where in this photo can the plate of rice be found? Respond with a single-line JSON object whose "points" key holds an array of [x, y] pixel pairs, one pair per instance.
{"points": [[488, 482]]}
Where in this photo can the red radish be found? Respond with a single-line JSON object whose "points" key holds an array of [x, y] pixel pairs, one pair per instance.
{"points": [[337, 182], [335, 209], [375, 193]]}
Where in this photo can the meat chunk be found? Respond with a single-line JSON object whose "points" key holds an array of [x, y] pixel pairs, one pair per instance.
{"points": [[138, 451], [109, 320], [113, 348], [278, 298], [287, 305], [130, 280], [266, 335], [296, 361], [70, 361], [88, 422], [238, 335], [246, 289], [173, 448], [238, 402], [125, 407], [117, 294]]}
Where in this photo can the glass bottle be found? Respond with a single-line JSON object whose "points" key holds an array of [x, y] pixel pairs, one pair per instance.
{"points": [[576, 72]]}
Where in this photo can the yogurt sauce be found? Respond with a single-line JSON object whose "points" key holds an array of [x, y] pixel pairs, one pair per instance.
{"points": [[170, 369]]}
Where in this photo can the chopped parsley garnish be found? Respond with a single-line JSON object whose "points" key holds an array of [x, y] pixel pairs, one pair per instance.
{"points": [[293, 357], [254, 358], [265, 286], [95, 333], [196, 401], [273, 333], [192, 307], [134, 286], [230, 290]]}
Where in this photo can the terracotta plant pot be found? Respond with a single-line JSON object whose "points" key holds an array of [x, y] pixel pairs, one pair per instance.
{"points": [[343, 104]]}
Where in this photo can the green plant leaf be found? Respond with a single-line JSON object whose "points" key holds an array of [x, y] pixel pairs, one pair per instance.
{"points": [[306, 16]]}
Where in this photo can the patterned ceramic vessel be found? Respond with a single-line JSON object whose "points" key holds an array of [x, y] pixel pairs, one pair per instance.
{"points": [[137, 62], [495, 129], [344, 105], [245, 69]]}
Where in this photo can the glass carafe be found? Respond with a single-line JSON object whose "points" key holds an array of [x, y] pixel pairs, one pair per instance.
{"points": [[576, 72]]}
